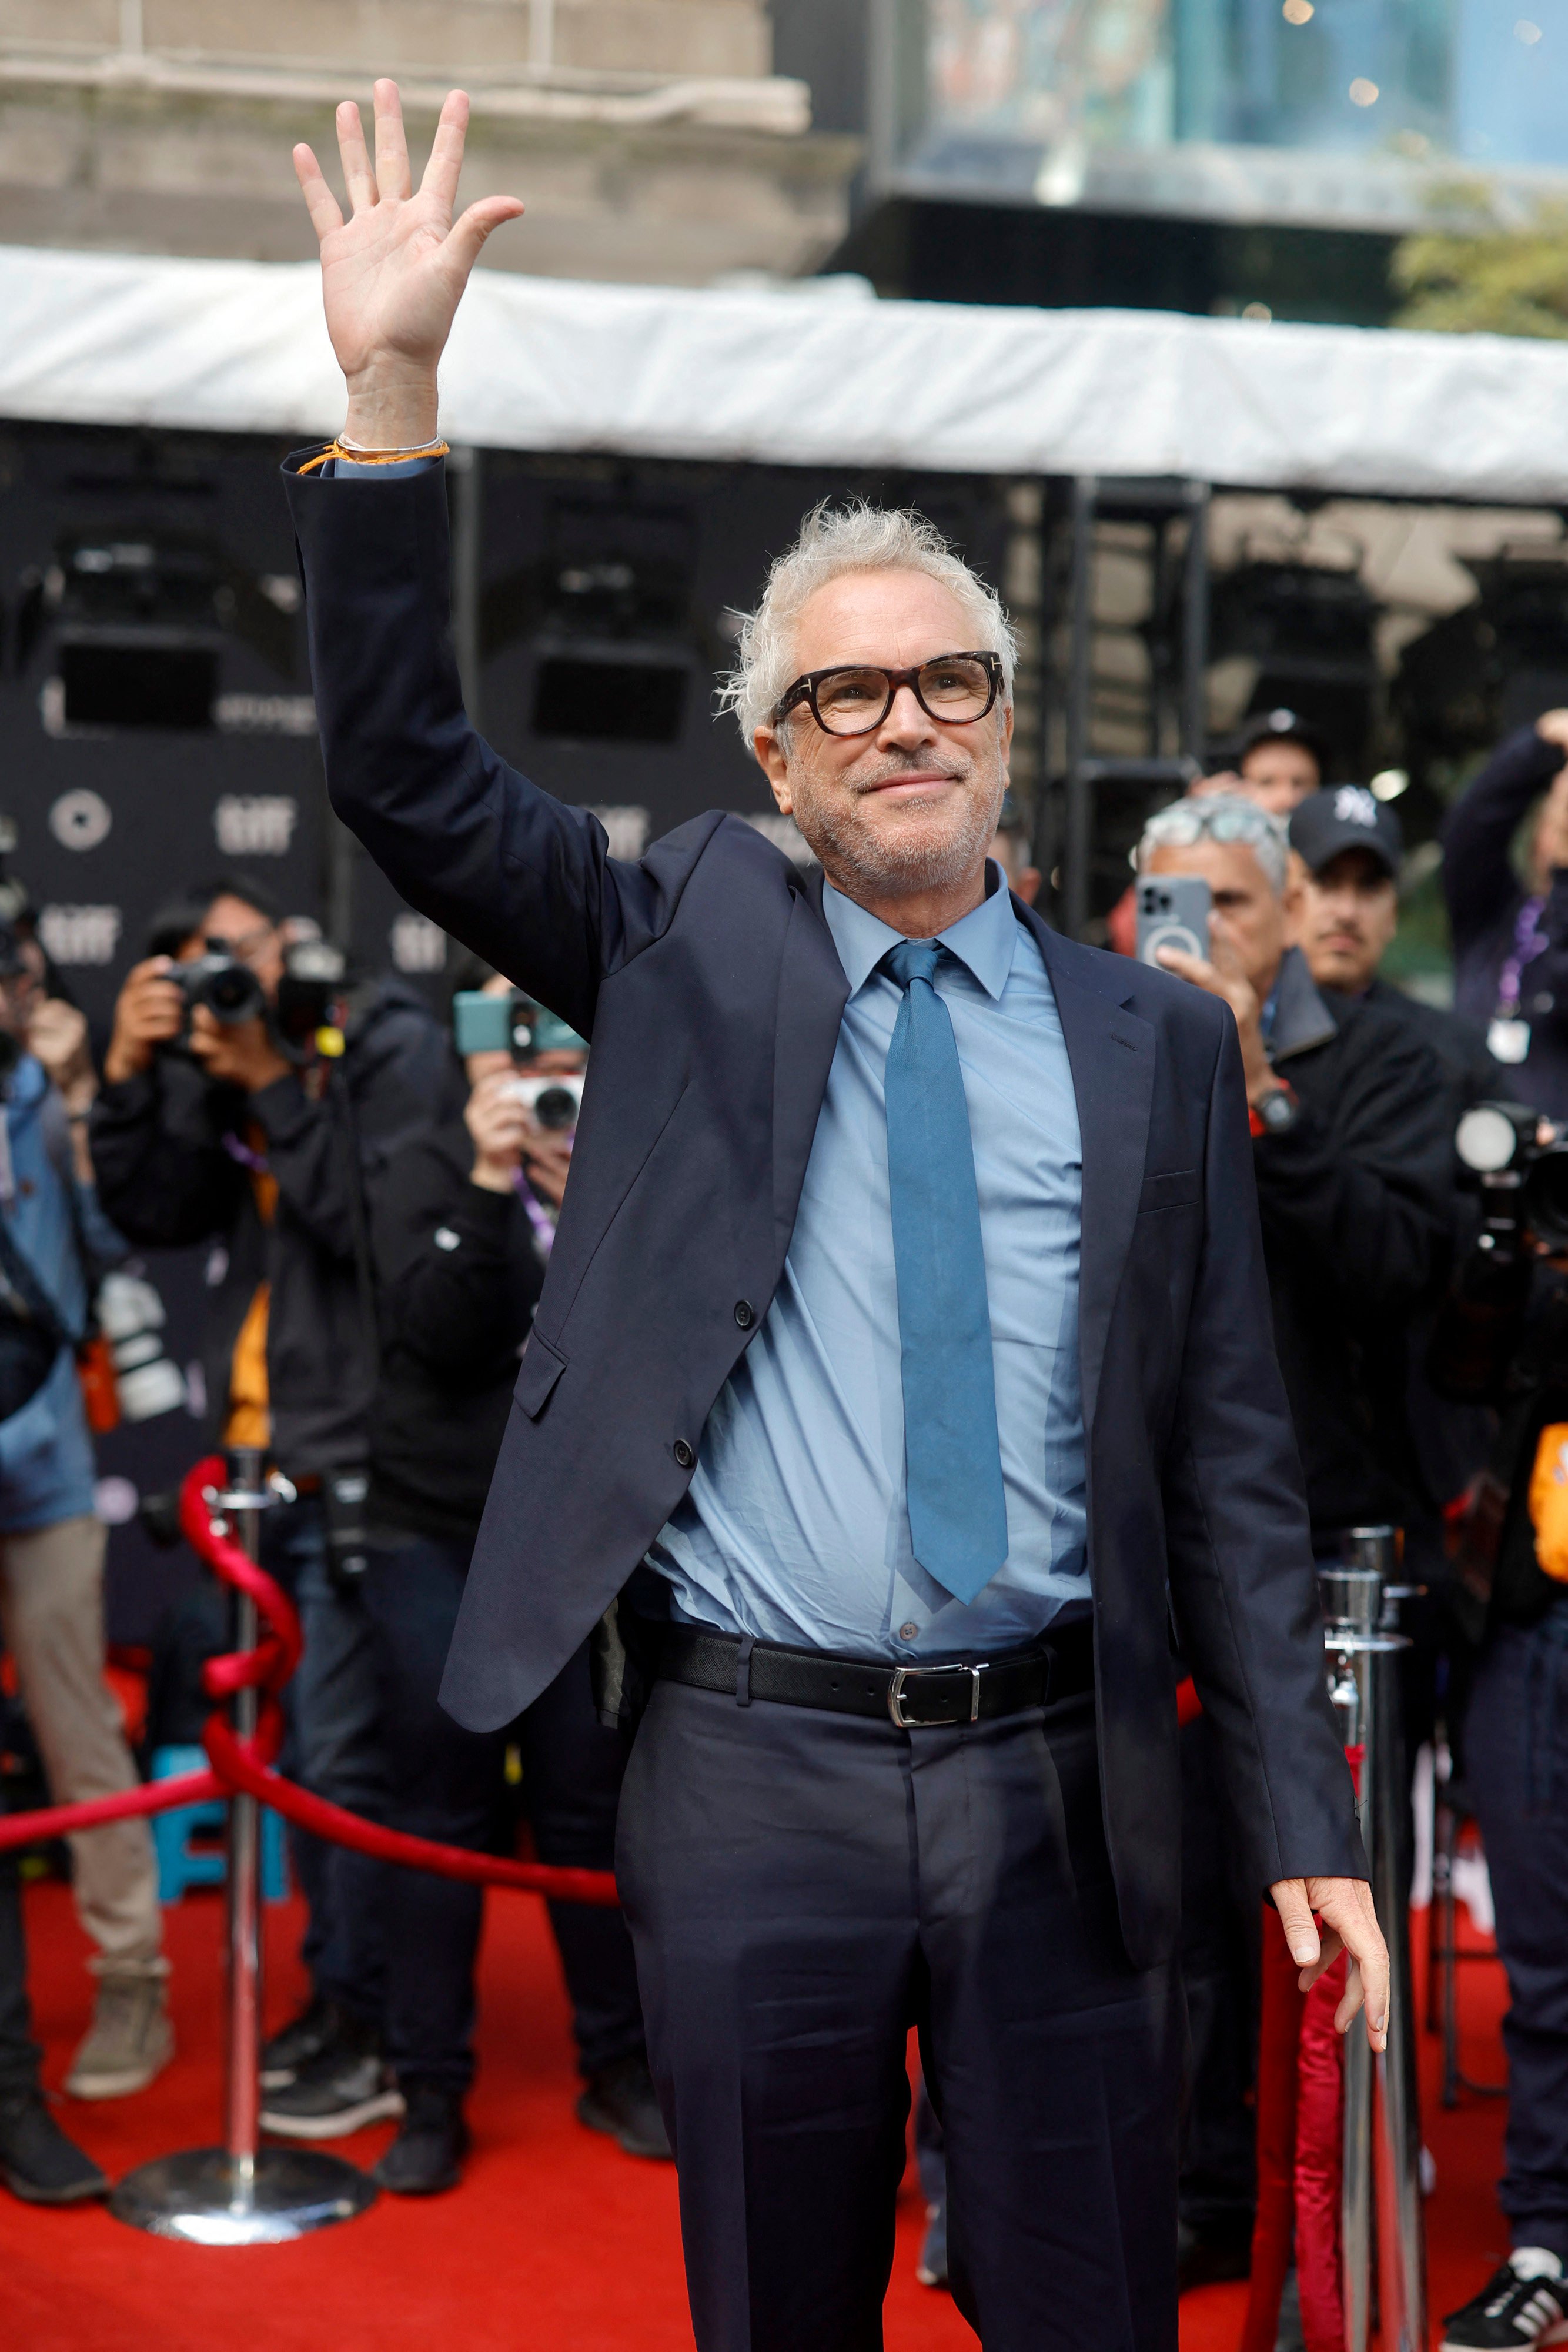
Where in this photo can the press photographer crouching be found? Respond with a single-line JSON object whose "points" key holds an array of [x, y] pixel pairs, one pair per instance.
{"points": [[247, 1096], [1502, 1339], [462, 1221]]}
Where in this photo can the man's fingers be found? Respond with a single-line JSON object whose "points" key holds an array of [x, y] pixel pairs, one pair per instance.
{"points": [[1296, 1918], [468, 232], [445, 165], [358, 176], [1187, 967], [393, 175], [319, 202]]}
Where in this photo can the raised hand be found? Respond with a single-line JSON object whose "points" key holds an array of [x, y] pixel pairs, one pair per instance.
{"points": [[392, 274]]}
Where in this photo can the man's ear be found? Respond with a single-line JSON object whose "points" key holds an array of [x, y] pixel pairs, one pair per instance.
{"points": [[771, 758]]}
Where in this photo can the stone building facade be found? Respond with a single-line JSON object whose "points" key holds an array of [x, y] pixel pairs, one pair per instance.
{"points": [[650, 139]]}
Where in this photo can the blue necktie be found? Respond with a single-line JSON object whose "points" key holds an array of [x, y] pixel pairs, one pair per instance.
{"points": [[953, 1464]]}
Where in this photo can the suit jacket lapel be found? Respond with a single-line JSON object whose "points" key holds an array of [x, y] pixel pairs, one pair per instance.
{"points": [[1111, 1053], [812, 993]]}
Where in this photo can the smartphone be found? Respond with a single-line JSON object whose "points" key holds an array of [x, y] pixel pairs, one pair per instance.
{"points": [[1173, 912], [482, 1024]]}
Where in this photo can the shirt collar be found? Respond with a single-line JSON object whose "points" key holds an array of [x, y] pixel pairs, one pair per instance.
{"points": [[983, 939]]}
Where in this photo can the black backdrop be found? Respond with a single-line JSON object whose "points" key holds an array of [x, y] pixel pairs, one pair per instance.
{"points": [[155, 720]]}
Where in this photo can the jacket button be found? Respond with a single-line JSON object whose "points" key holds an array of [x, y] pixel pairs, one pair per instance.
{"points": [[744, 1313], [683, 1454]]}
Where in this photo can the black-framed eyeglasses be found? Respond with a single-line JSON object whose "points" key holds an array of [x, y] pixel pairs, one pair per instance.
{"points": [[955, 690]]}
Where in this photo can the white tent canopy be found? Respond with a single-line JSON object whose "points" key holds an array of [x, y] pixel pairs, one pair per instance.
{"points": [[808, 377]]}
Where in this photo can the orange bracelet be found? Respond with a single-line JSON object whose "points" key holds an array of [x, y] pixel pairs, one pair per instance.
{"points": [[352, 456]]}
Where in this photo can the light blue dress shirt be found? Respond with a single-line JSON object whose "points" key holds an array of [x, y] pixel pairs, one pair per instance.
{"points": [[794, 1527]]}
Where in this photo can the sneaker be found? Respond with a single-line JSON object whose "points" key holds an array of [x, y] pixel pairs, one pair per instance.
{"points": [[305, 2037], [38, 2162], [347, 2087], [1524, 2303], [130, 2039], [931, 2270], [620, 2101], [427, 2155]]}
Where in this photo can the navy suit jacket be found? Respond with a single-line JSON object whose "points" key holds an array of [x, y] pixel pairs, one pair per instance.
{"points": [[707, 980]]}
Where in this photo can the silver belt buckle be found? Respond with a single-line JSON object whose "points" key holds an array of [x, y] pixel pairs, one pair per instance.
{"points": [[901, 1675]]}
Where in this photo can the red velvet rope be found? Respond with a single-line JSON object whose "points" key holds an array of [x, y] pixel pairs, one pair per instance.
{"points": [[246, 1767]]}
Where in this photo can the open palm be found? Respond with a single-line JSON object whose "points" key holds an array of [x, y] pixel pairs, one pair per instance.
{"points": [[393, 272]]}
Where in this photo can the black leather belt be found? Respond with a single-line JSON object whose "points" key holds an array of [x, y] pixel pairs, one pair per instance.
{"points": [[914, 1698]]}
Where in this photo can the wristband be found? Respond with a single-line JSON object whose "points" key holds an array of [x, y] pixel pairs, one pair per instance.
{"points": [[353, 457]]}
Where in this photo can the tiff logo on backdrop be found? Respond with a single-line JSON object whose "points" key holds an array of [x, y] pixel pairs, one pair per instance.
{"points": [[255, 824], [75, 934]]}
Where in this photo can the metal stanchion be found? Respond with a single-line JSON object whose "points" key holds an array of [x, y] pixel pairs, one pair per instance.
{"points": [[241, 2194], [1382, 2122]]}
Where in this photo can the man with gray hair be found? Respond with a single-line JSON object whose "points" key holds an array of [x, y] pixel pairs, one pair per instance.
{"points": [[1352, 1124], [901, 1363]]}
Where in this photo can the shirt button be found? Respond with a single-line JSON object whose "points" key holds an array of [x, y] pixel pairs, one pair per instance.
{"points": [[744, 1313], [683, 1454], [907, 1632]]}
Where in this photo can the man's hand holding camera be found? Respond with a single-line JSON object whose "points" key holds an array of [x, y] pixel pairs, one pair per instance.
{"points": [[238, 1053], [509, 1139], [152, 1012]]}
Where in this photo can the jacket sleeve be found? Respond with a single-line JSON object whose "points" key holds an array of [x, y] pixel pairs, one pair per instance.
{"points": [[1478, 879], [160, 1187], [463, 1303], [1243, 1591], [524, 880], [1368, 1193]]}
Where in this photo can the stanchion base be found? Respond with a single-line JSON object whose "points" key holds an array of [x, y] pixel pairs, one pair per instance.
{"points": [[203, 2197]]}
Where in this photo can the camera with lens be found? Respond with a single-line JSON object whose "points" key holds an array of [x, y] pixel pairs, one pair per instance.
{"points": [[229, 989], [1523, 1181]]}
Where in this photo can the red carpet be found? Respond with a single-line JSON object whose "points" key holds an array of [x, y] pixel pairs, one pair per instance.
{"points": [[555, 2240]]}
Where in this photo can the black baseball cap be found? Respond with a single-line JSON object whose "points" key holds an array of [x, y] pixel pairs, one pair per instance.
{"points": [[1284, 726], [1346, 817]]}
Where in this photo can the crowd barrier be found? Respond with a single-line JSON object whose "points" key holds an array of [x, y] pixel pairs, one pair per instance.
{"points": [[242, 2193], [1339, 2136]]}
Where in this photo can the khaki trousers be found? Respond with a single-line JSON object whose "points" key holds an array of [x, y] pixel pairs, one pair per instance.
{"points": [[51, 1616]]}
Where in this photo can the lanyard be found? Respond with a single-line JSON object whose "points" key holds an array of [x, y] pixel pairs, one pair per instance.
{"points": [[542, 1223], [1529, 939]]}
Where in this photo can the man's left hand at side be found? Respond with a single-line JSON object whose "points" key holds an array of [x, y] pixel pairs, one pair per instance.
{"points": [[240, 1053], [1350, 1925]]}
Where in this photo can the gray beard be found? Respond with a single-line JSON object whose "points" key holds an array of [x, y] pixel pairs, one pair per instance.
{"points": [[888, 863]]}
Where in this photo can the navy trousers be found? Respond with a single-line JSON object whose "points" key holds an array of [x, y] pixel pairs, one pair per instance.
{"points": [[1516, 1762], [443, 1784], [802, 1888], [19, 2053]]}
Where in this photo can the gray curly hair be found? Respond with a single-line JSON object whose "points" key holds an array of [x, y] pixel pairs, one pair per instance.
{"points": [[833, 540]]}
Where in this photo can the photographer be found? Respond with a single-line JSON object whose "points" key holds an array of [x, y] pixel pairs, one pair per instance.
{"points": [[1511, 933], [227, 1117], [1352, 1153], [1502, 1339], [54, 1244], [462, 1221], [1352, 1149]]}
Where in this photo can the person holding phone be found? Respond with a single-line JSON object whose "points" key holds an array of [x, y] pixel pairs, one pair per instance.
{"points": [[1353, 1147], [462, 1223]]}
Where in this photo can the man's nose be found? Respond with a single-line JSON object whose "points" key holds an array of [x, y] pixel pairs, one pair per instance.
{"points": [[906, 723]]}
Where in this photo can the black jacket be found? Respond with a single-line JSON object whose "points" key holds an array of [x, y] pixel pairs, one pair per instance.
{"points": [[168, 1178], [1502, 1339], [1484, 900], [458, 1273], [1355, 1201], [709, 982]]}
